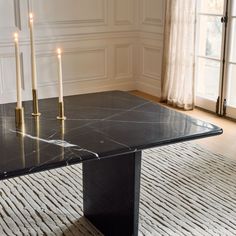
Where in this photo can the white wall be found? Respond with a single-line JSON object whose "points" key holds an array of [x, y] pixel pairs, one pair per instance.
{"points": [[107, 44], [151, 25]]}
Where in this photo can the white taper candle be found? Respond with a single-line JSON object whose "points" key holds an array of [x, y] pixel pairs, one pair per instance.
{"points": [[60, 75], [18, 71], [33, 61]]}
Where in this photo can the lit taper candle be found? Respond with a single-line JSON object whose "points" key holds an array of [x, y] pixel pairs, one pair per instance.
{"points": [[18, 71], [19, 111], [33, 64], [60, 75], [61, 102], [33, 67]]}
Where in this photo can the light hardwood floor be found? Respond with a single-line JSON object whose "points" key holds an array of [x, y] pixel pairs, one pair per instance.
{"points": [[224, 144]]}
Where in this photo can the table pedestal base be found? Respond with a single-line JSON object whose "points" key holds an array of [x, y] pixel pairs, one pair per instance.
{"points": [[111, 190]]}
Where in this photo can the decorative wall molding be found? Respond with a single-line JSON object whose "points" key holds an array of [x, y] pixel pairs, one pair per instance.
{"points": [[102, 42], [7, 70], [151, 36], [94, 56], [10, 16], [76, 17], [124, 12], [152, 12], [151, 61], [17, 14], [74, 38], [123, 61], [88, 87], [151, 89], [150, 46]]}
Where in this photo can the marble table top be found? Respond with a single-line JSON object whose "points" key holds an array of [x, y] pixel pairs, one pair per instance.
{"points": [[98, 125]]}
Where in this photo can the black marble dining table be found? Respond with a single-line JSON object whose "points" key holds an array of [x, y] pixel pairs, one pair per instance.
{"points": [[104, 131]]}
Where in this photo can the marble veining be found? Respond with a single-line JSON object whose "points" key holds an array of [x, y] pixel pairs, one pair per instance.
{"points": [[60, 143], [98, 125]]}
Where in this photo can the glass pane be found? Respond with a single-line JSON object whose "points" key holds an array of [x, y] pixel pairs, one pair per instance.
{"points": [[232, 85], [208, 76], [233, 41], [233, 7], [212, 6], [210, 36]]}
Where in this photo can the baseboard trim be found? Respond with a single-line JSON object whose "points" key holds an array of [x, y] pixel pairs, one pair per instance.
{"points": [[148, 89]]}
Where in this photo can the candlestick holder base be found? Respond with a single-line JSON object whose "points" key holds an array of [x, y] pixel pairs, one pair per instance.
{"points": [[36, 114], [19, 117], [61, 115], [35, 103]]}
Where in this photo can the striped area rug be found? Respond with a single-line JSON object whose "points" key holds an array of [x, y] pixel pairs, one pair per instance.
{"points": [[185, 190]]}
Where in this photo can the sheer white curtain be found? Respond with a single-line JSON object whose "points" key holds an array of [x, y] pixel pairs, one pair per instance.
{"points": [[179, 50]]}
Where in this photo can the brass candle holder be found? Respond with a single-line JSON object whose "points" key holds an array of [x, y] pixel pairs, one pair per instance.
{"points": [[62, 129], [61, 115], [35, 103], [19, 117]]}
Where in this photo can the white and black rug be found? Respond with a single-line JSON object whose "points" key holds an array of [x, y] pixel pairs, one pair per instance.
{"points": [[185, 190]]}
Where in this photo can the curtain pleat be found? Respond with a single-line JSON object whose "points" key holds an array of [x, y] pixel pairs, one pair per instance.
{"points": [[179, 53]]}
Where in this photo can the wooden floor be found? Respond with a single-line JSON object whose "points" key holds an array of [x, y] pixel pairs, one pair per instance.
{"points": [[224, 144]]}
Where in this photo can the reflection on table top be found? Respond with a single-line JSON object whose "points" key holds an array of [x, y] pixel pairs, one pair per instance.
{"points": [[98, 125]]}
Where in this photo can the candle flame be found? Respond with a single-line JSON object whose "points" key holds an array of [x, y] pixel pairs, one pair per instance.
{"points": [[16, 37], [59, 51], [31, 17]]}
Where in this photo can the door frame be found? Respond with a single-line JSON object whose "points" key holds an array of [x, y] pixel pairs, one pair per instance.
{"points": [[205, 103]]}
